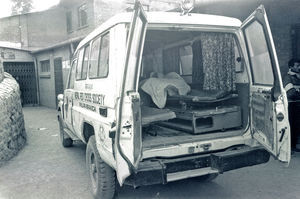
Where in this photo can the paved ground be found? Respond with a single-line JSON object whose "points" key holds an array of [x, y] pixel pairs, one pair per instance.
{"points": [[43, 169]]}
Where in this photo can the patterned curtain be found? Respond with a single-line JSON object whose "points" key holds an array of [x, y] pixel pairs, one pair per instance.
{"points": [[218, 61], [171, 60]]}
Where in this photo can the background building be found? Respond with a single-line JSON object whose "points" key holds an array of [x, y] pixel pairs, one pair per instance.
{"points": [[37, 47]]}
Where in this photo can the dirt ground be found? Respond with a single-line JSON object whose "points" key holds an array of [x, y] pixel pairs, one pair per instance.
{"points": [[44, 169]]}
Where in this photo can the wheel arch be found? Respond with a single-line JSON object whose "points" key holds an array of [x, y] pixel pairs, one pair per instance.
{"points": [[88, 131]]}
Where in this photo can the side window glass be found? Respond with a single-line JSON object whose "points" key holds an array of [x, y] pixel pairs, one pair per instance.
{"points": [[99, 61], [261, 65], [186, 60], [85, 62], [93, 72], [104, 56], [239, 63], [79, 65], [72, 75]]}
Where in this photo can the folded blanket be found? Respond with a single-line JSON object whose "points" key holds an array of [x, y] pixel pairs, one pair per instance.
{"points": [[159, 88]]}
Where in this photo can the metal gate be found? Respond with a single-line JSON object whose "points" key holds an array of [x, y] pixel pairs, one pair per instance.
{"points": [[24, 73]]}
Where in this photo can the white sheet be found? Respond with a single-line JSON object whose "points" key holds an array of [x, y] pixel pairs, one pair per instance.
{"points": [[159, 88]]}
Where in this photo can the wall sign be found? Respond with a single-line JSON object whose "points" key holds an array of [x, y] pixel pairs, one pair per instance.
{"points": [[8, 55]]}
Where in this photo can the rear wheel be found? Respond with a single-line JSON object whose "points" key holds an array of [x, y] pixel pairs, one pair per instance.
{"points": [[102, 176], [64, 139]]}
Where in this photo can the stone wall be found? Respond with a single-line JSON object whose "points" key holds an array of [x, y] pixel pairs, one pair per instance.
{"points": [[12, 128]]}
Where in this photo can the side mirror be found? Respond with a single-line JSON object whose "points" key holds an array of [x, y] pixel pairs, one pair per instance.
{"points": [[60, 97]]}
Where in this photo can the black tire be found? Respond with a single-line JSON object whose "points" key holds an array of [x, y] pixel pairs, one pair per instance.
{"points": [[208, 177], [65, 141], [102, 176]]}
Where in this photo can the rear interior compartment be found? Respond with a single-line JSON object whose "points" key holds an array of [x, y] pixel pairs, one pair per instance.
{"points": [[192, 87]]}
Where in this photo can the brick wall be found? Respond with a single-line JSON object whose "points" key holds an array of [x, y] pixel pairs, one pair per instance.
{"points": [[9, 29], [39, 29], [46, 28], [12, 128], [74, 10], [103, 10]]}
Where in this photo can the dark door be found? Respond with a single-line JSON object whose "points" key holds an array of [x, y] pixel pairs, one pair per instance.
{"points": [[24, 73], [59, 88], [296, 41]]}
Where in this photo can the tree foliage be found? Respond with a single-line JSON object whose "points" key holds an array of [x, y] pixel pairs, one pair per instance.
{"points": [[21, 6]]}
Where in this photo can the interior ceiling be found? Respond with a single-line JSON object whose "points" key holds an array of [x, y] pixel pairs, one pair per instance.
{"points": [[158, 38]]}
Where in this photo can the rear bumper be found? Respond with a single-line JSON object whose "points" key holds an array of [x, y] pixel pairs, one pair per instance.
{"points": [[161, 171]]}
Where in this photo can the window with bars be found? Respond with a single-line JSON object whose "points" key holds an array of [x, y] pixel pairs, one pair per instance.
{"points": [[45, 68], [69, 21]]}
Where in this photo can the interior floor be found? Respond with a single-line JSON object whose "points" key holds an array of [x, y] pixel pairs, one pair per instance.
{"points": [[155, 136]]}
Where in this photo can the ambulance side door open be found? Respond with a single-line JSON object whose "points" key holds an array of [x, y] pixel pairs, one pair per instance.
{"points": [[128, 138], [268, 101]]}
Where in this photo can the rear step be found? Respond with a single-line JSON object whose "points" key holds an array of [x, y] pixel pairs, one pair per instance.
{"points": [[190, 174]]}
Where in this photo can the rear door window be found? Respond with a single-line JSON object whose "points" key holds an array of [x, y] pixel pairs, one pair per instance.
{"points": [[186, 60], [262, 71]]}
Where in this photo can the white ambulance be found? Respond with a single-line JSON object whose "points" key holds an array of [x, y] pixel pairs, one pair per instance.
{"points": [[165, 96]]}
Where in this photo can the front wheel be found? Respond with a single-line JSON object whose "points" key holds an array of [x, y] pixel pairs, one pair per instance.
{"points": [[102, 176], [64, 139]]}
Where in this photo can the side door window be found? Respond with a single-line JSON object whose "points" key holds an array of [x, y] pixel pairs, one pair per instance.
{"points": [[104, 56], [82, 66], [72, 75], [93, 72], [85, 62], [100, 57], [79, 64]]}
